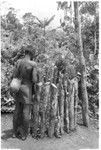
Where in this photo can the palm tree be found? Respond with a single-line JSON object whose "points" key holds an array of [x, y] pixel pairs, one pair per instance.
{"points": [[43, 24]]}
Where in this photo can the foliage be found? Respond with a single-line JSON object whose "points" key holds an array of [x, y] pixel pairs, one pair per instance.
{"points": [[49, 46], [91, 27], [89, 7]]}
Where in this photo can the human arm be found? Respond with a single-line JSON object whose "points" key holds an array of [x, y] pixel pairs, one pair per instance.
{"points": [[16, 70]]}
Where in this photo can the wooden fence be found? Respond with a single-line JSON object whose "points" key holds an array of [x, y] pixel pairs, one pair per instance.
{"points": [[55, 104]]}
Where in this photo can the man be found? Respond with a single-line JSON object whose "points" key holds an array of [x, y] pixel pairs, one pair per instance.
{"points": [[23, 98]]}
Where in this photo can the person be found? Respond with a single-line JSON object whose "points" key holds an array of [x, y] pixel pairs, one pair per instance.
{"points": [[23, 98]]}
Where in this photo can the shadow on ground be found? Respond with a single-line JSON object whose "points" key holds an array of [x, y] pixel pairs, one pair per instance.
{"points": [[82, 138]]}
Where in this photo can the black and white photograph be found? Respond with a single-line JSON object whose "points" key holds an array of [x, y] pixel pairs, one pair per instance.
{"points": [[50, 75]]}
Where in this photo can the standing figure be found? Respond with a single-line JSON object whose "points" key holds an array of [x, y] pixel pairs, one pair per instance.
{"points": [[73, 101], [23, 98]]}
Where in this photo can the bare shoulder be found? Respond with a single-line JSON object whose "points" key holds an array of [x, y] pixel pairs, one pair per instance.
{"points": [[18, 62], [32, 63]]}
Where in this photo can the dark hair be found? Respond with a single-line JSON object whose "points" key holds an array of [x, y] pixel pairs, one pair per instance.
{"points": [[29, 50]]}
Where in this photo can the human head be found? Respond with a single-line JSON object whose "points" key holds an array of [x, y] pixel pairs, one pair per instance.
{"points": [[29, 51]]}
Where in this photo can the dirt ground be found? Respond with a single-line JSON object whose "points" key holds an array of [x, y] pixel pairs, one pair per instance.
{"points": [[83, 138]]}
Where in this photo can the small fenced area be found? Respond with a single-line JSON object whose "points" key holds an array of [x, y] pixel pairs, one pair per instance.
{"points": [[55, 104]]}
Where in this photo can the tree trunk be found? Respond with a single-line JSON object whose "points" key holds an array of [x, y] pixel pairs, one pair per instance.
{"points": [[57, 118], [75, 101], [71, 106], [66, 106], [83, 67], [53, 104], [95, 41], [76, 16], [35, 110], [43, 106], [44, 39], [61, 103]]}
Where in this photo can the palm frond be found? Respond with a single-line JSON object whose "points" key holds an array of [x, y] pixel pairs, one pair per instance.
{"points": [[47, 22]]}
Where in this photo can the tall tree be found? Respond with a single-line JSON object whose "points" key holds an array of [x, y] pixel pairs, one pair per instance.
{"points": [[85, 114], [68, 13], [91, 8]]}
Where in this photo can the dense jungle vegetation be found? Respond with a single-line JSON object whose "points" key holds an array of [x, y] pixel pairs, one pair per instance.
{"points": [[50, 45]]}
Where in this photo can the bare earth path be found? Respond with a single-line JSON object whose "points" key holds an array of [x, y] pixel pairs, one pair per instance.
{"points": [[83, 138]]}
